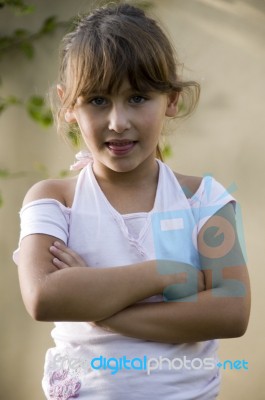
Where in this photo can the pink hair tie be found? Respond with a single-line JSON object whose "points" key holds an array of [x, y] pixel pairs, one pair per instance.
{"points": [[84, 157]]}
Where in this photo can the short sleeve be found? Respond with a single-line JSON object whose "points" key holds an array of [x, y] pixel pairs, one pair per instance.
{"points": [[46, 216], [210, 198]]}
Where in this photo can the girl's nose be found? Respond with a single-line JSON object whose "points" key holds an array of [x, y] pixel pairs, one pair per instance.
{"points": [[119, 119]]}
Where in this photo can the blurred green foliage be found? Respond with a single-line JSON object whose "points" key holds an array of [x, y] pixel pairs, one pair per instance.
{"points": [[18, 6], [38, 111], [24, 41]]}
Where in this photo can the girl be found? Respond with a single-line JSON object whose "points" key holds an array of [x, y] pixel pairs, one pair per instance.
{"points": [[125, 256]]}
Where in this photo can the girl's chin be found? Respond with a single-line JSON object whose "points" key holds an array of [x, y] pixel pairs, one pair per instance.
{"points": [[127, 165], [118, 164], [124, 163]]}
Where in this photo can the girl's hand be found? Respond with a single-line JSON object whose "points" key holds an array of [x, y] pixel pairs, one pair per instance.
{"points": [[64, 257]]}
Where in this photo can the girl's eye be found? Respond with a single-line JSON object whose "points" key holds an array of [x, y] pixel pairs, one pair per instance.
{"points": [[138, 99], [98, 101]]}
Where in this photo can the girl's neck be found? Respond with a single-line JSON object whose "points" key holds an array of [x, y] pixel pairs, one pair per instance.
{"points": [[145, 173], [130, 192]]}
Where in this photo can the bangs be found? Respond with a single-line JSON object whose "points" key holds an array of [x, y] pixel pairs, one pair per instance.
{"points": [[117, 62], [111, 53]]}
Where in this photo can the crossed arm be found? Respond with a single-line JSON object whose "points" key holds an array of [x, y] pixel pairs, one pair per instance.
{"points": [[56, 287], [221, 310]]}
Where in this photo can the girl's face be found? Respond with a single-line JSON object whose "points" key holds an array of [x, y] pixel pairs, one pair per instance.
{"points": [[122, 130]]}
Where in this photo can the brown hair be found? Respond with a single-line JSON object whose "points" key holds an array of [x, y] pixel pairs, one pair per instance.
{"points": [[116, 42]]}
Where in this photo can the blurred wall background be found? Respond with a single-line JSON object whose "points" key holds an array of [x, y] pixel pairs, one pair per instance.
{"points": [[221, 43]]}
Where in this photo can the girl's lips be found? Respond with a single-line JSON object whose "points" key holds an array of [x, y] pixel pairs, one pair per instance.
{"points": [[121, 147]]}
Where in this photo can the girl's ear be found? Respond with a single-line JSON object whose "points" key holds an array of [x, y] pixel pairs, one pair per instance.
{"points": [[60, 91], [172, 104], [69, 116], [69, 113]]}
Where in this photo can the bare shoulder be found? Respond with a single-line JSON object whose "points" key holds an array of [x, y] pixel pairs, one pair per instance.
{"points": [[58, 189], [189, 184]]}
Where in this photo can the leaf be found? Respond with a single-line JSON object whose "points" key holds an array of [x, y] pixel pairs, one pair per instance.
{"points": [[47, 119], [49, 25], [8, 101], [73, 136], [27, 9], [43, 119], [167, 151], [36, 101], [38, 111], [27, 49], [11, 100], [35, 114], [5, 42], [18, 5], [20, 33]]}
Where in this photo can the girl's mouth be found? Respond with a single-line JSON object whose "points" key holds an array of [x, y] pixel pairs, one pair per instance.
{"points": [[120, 147]]}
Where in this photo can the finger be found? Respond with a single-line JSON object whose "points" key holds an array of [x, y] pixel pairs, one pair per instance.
{"points": [[59, 264], [80, 262], [61, 251], [67, 256], [63, 256], [78, 259], [66, 250]]}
